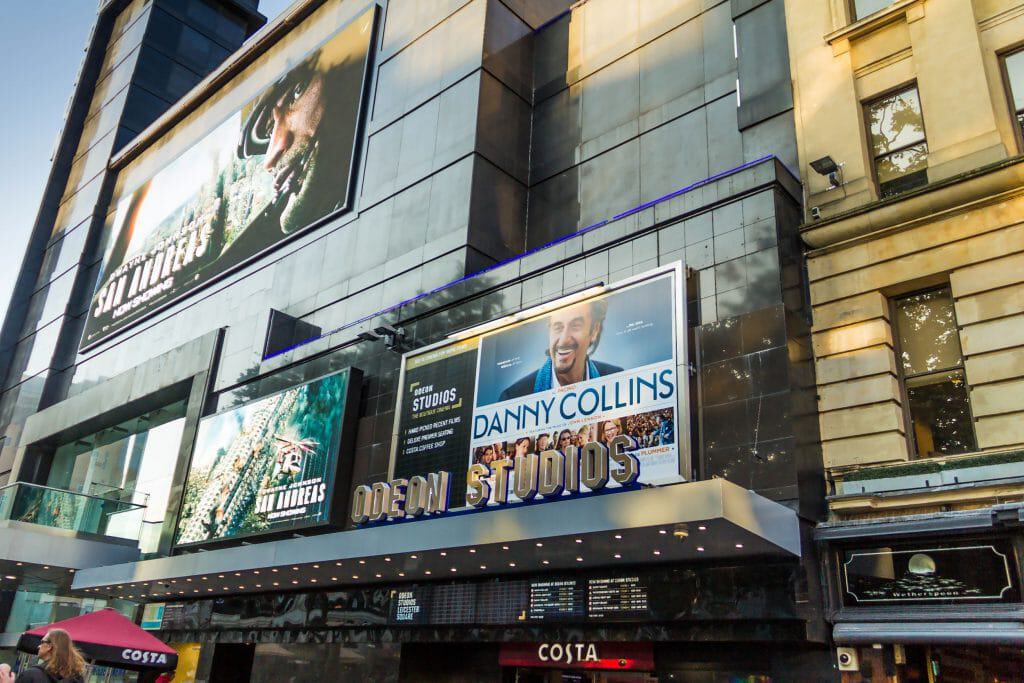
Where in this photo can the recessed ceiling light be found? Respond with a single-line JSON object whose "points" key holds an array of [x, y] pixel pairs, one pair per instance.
{"points": [[274, 570], [316, 566], [472, 550], [220, 576], [483, 566], [276, 583], [617, 556], [401, 573], [209, 590], [295, 582], [618, 537], [657, 552], [334, 578], [355, 576], [413, 557], [12, 578], [312, 580], [504, 547], [545, 562], [377, 575], [337, 564], [579, 540], [454, 569], [662, 531], [702, 528], [427, 572], [511, 564], [236, 574], [539, 544], [444, 554], [362, 561], [700, 549], [387, 559], [295, 569], [739, 545], [254, 571], [259, 585], [241, 588], [225, 587], [205, 578], [579, 559]]}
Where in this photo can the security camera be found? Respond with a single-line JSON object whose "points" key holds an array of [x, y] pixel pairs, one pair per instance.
{"points": [[815, 213], [847, 658]]}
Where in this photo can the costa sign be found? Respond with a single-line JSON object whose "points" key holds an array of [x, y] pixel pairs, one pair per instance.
{"points": [[579, 655], [143, 657]]}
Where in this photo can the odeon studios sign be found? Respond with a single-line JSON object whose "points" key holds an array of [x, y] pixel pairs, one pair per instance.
{"points": [[549, 475]]}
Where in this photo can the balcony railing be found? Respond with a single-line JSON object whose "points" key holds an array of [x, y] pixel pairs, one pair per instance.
{"points": [[79, 512]]}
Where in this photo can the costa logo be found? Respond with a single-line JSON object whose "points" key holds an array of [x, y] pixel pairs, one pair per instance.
{"points": [[143, 657], [567, 653]]}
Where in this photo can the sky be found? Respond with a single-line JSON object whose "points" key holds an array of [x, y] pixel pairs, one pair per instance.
{"points": [[42, 43]]}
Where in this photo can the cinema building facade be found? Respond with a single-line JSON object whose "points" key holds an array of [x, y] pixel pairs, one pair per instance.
{"points": [[454, 341]]}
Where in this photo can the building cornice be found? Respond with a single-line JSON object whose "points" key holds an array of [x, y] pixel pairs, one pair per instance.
{"points": [[971, 190]]}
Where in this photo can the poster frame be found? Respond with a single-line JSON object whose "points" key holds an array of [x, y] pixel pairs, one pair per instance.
{"points": [[348, 192], [682, 429], [340, 473]]}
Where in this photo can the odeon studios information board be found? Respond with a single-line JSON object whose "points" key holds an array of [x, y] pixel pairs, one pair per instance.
{"points": [[575, 396]]}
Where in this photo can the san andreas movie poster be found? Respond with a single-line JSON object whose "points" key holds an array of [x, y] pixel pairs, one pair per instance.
{"points": [[265, 466], [588, 370], [267, 172]]}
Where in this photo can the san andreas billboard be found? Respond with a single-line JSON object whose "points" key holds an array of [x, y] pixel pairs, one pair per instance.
{"points": [[274, 167], [583, 370], [269, 465]]}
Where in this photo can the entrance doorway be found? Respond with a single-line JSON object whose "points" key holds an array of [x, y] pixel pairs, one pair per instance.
{"points": [[232, 662]]}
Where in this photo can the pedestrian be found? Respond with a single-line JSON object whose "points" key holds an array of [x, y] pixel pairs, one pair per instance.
{"points": [[61, 661]]}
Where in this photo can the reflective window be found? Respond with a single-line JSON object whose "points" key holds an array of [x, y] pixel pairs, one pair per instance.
{"points": [[1014, 64], [862, 8], [132, 461], [933, 373], [898, 146]]}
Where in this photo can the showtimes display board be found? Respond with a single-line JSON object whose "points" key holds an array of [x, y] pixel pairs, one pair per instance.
{"points": [[277, 165], [269, 465], [582, 369]]}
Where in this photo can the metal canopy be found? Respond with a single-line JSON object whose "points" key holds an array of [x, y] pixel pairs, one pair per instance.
{"points": [[704, 520], [930, 633]]}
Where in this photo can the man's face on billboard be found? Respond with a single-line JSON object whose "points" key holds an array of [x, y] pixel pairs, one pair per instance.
{"points": [[571, 331], [292, 123]]}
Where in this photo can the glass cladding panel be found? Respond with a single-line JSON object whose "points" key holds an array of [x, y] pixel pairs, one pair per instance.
{"points": [[929, 340], [90, 164], [50, 302], [862, 8], [66, 252], [112, 84], [102, 122], [77, 206], [940, 414], [42, 345], [121, 45], [895, 121], [133, 462], [211, 19]]}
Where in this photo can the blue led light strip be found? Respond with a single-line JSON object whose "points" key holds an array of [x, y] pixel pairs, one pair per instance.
{"points": [[581, 231]]}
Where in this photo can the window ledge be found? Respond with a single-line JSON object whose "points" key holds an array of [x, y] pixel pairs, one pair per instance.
{"points": [[910, 10]]}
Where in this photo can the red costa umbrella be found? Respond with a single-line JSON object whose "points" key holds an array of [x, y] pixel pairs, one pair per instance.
{"points": [[108, 637]]}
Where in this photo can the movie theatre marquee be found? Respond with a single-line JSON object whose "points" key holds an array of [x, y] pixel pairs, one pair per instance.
{"points": [[579, 395]]}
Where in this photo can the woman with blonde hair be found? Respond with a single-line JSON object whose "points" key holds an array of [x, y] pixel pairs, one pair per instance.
{"points": [[62, 662]]}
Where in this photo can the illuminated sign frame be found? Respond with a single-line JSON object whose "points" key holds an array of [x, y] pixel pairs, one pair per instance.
{"points": [[456, 343]]}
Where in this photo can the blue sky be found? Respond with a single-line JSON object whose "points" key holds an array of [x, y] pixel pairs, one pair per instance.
{"points": [[42, 43]]}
